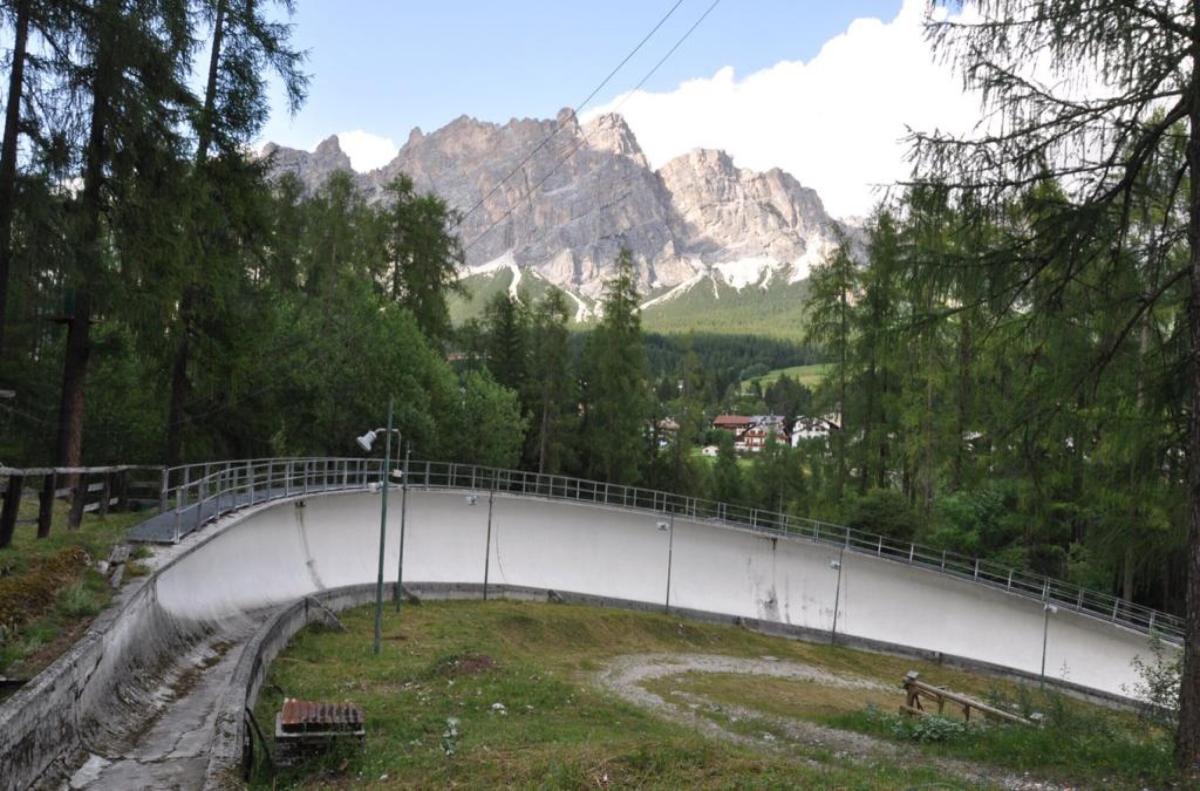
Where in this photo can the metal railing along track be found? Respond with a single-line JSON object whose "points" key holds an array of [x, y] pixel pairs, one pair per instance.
{"points": [[194, 494]]}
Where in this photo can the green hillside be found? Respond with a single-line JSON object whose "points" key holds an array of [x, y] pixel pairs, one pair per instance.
{"points": [[776, 312], [808, 375]]}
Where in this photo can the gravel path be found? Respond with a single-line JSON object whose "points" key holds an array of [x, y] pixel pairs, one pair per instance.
{"points": [[626, 675]]}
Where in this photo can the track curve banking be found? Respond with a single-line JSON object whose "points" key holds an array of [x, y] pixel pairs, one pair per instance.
{"points": [[300, 547], [272, 554]]}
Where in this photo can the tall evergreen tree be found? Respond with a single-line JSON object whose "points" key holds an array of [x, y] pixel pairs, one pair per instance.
{"points": [[617, 397], [832, 286], [550, 386], [231, 112], [507, 342], [1101, 145], [424, 254]]}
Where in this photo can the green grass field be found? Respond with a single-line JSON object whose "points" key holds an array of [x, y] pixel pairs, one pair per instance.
{"points": [[808, 375], [507, 695]]}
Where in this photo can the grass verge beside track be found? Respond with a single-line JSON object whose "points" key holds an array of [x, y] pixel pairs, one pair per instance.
{"points": [[505, 694]]}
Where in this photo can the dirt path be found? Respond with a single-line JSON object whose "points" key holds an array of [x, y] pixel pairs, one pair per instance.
{"points": [[625, 676]]}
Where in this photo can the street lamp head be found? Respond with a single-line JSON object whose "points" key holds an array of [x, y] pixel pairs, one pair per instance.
{"points": [[366, 440]]}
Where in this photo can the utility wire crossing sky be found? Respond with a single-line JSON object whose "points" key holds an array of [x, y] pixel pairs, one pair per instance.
{"points": [[826, 91]]}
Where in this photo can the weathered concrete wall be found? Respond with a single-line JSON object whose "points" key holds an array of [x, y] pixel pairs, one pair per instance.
{"points": [[286, 552], [278, 553], [256, 657], [88, 687]]}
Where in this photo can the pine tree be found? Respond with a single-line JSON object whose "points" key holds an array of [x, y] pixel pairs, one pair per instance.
{"points": [[618, 403], [832, 286], [424, 255], [507, 344], [1100, 145], [550, 384]]}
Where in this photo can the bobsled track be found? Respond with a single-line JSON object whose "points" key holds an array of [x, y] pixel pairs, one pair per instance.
{"points": [[155, 694]]}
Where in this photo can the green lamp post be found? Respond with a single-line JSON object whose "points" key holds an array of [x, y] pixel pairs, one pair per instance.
{"points": [[365, 442]]}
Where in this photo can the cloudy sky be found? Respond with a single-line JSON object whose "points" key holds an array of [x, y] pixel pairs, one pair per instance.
{"points": [[823, 90]]}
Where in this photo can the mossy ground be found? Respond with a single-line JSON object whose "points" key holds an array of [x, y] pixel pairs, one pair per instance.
{"points": [[455, 661], [50, 589]]}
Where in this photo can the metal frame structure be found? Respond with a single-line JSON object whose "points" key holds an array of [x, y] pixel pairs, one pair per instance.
{"points": [[198, 493]]}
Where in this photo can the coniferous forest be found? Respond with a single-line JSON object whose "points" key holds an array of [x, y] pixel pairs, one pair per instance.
{"points": [[1011, 352]]}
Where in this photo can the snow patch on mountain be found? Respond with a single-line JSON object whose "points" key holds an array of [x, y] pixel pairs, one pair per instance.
{"points": [[745, 271]]}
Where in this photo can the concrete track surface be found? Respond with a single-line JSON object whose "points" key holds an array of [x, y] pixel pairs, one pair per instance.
{"points": [[143, 710]]}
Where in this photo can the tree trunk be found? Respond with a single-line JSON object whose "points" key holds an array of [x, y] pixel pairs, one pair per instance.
{"points": [[69, 451], [8, 515], [205, 132], [864, 474], [8, 156], [69, 448], [1187, 743], [542, 435], [180, 384]]}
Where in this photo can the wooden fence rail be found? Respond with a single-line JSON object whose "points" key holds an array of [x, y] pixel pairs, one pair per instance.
{"points": [[98, 489]]}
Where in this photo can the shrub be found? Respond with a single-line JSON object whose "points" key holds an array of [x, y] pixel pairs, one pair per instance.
{"points": [[883, 511], [1157, 687]]}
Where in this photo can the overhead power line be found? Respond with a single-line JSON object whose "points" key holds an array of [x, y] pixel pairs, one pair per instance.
{"points": [[558, 125], [584, 138]]}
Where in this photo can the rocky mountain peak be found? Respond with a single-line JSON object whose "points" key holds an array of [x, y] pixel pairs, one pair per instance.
{"points": [[331, 148], [585, 192], [312, 168], [609, 132]]}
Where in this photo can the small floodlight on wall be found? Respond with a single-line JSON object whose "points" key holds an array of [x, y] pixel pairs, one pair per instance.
{"points": [[366, 440], [835, 564], [1053, 610], [663, 527], [472, 499]]}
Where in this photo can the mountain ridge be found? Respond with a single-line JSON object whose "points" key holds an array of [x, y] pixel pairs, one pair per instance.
{"points": [[580, 192]]}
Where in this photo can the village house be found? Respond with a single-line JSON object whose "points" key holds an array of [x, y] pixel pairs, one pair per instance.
{"points": [[806, 428], [734, 424], [765, 427], [750, 432]]}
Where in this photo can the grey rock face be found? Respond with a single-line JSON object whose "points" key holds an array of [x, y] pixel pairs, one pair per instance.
{"points": [[312, 168], [578, 193]]}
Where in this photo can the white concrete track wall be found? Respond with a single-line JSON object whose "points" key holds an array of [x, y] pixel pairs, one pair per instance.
{"points": [[286, 551]]}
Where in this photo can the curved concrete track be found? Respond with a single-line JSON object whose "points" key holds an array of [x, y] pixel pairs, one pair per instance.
{"points": [[168, 651]]}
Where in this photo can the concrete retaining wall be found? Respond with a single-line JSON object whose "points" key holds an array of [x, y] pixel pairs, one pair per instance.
{"points": [[295, 549], [275, 554]]}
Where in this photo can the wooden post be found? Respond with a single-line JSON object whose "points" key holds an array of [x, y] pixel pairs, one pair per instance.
{"points": [[78, 498], [8, 516], [105, 494], [122, 478], [46, 504]]}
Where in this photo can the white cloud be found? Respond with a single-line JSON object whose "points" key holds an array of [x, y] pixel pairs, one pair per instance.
{"points": [[367, 151], [836, 123]]}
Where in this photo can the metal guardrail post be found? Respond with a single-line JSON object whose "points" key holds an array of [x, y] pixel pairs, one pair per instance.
{"points": [[200, 484], [162, 490]]}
